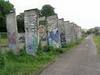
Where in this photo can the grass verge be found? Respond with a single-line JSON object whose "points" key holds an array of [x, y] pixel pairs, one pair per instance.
{"points": [[3, 40], [97, 42]]}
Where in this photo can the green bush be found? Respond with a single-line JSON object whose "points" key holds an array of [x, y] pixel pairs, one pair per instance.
{"points": [[97, 42], [60, 50], [2, 61], [51, 48]]}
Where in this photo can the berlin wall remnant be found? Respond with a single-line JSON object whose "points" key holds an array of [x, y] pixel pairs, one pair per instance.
{"points": [[12, 32], [74, 31], [62, 31], [31, 30], [68, 31], [42, 32], [53, 32], [77, 31]]}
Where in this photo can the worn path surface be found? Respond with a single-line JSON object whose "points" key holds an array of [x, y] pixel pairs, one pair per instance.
{"points": [[83, 60]]}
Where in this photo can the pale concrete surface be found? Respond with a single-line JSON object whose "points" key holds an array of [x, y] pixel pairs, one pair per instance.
{"points": [[82, 60]]}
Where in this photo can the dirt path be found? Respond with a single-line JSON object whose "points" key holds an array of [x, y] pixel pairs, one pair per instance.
{"points": [[83, 60]]}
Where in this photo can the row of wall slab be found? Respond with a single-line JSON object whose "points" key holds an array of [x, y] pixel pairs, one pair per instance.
{"points": [[72, 31], [41, 30]]}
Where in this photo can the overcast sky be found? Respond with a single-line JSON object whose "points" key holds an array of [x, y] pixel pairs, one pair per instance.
{"points": [[85, 13]]}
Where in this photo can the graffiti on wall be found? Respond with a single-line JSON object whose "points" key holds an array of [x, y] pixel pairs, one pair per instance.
{"points": [[53, 32], [54, 39], [42, 31], [62, 32], [63, 39], [31, 41], [12, 40], [31, 33], [42, 35], [12, 32]]}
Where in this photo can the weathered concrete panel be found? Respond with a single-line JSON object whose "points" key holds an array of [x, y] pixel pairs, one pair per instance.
{"points": [[68, 31], [62, 31], [74, 31], [53, 32], [42, 32], [12, 32], [31, 31], [77, 31]]}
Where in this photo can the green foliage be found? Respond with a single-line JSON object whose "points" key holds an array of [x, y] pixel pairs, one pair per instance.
{"points": [[3, 39], [2, 61], [55, 50], [97, 41], [24, 64], [95, 31], [47, 10], [5, 8]]}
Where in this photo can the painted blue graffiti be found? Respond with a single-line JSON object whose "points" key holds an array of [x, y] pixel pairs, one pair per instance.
{"points": [[31, 43], [54, 37]]}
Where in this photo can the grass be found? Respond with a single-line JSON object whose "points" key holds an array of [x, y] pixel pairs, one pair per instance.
{"points": [[3, 40], [24, 64], [97, 41]]}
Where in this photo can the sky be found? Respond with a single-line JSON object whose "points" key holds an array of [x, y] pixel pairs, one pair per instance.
{"points": [[85, 13]]}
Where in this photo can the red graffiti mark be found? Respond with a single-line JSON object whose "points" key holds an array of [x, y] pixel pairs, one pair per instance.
{"points": [[12, 38], [41, 29]]}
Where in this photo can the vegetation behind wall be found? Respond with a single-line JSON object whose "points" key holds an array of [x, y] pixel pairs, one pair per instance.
{"points": [[5, 8]]}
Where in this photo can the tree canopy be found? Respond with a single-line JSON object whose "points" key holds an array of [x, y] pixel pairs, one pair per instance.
{"points": [[5, 8], [47, 10]]}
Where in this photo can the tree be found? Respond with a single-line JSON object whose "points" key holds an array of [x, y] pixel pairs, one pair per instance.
{"points": [[5, 8], [47, 10]]}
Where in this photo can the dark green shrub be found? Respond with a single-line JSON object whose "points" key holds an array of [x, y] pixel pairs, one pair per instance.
{"points": [[2, 61], [59, 50], [51, 48]]}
